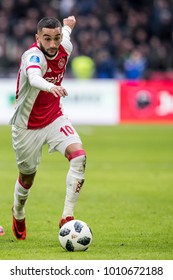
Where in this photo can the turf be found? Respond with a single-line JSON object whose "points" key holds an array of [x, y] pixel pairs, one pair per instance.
{"points": [[127, 197]]}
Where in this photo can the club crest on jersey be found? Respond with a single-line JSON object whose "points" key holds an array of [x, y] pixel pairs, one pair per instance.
{"points": [[61, 63], [34, 59]]}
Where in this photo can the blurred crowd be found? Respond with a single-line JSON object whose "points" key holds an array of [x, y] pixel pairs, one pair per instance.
{"points": [[126, 39]]}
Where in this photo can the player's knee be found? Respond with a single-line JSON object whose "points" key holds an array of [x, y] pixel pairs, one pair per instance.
{"points": [[78, 162], [27, 180]]}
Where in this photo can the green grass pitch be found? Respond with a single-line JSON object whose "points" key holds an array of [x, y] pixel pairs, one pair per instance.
{"points": [[127, 198]]}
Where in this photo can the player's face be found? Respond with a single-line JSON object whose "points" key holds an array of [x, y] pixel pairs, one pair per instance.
{"points": [[49, 40]]}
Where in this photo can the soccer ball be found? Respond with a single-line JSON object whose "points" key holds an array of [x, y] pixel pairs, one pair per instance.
{"points": [[75, 235]]}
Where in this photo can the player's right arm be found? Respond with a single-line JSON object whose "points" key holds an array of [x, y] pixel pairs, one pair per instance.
{"points": [[33, 66], [36, 80]]}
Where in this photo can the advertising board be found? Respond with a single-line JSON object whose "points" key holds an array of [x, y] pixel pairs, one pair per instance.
{"points": [[146, 101], [89, 102]]}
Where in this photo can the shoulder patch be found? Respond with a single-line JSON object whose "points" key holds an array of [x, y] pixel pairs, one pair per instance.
{"points": [[34, 59]]}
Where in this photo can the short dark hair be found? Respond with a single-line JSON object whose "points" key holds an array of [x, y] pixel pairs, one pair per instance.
{"points": [[48, 22]]}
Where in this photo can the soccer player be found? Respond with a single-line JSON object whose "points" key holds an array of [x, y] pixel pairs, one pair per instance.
{"points": [[38, 118]]}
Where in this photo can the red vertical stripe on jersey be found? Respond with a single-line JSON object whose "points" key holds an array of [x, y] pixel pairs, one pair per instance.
{"points": [[18, 80]]}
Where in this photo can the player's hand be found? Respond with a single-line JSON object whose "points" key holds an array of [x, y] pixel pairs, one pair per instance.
{"points": [[70, 21], [58, 91]]}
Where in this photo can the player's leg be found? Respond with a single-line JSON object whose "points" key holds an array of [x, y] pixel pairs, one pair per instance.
{"points": [[65, 139], [74, 180], [21, 193], [28, 155]]}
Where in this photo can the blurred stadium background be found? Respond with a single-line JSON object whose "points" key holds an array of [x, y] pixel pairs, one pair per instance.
{"points": [[125, 44]]}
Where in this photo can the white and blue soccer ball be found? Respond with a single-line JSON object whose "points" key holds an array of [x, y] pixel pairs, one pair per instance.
{"points": [[75, 235]]}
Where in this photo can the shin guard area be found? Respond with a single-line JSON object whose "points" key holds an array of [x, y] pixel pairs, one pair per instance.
{"points": [[20, 199], [74, 181]]}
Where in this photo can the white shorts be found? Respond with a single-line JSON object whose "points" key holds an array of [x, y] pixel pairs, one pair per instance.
{"points": [[28, 143]]}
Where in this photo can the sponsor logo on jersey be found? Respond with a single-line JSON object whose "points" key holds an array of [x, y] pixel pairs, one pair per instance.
{"points": [[61, 63], [34, 59], [55, 80]]}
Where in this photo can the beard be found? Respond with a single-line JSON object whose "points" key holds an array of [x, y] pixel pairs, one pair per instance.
{"points": [[46, 53]]}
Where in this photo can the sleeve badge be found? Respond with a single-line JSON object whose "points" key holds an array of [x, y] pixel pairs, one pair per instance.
{"points": [[34, 59]]}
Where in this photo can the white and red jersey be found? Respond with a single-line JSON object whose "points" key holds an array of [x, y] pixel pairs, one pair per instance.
{"points": [[36, 107]]}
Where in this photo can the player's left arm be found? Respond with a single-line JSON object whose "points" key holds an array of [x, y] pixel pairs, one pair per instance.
{"points": [[68, 25], [70, 21]]}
